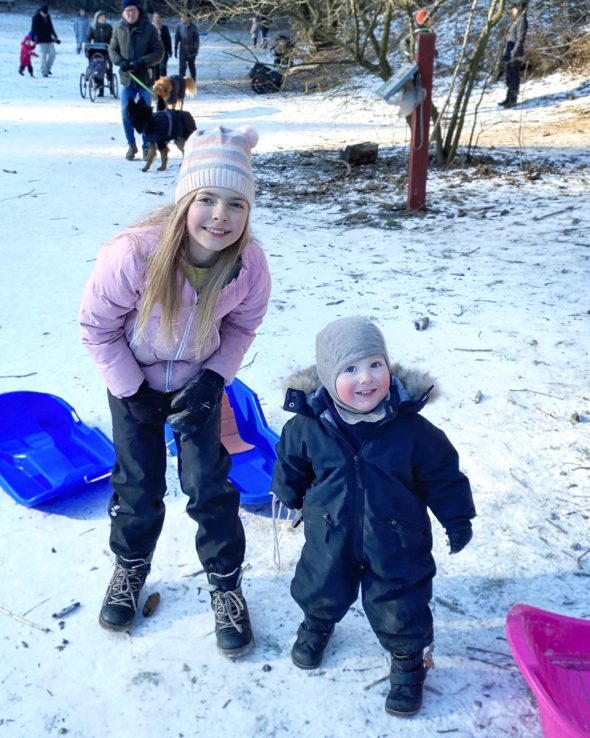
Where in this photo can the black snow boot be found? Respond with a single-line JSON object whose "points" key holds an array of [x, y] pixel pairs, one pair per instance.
{"points": [[232, 622], [406, 677], [312, 639], [120, 602]]}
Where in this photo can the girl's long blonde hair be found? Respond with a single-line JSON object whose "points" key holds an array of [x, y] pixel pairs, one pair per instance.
{"points": [[165, 277]]}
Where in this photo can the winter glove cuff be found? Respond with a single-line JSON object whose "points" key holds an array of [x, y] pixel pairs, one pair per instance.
{"points": [[196, 402], [459, 536], [147, 405]]}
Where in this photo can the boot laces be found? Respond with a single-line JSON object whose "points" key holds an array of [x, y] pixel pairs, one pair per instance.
{"points": [[229, 609], [125, 586]]}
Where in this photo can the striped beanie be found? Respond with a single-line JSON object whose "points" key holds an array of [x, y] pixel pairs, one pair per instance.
{"points": [[219, 157]]}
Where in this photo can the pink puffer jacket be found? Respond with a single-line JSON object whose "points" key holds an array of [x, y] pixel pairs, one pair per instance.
{"points": [[112, 298]]}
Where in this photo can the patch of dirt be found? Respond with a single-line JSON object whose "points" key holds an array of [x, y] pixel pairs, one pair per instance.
{"points": [[521, 127], [375, 194]]}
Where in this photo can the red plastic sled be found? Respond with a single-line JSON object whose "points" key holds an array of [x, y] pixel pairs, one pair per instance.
{"points": [[553, 653]]}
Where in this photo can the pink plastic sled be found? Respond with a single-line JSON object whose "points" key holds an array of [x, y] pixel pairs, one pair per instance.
{"points": [[553, 653]]}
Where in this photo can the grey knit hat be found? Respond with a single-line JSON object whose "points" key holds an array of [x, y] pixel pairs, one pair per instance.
{"points": [[342, 343]]}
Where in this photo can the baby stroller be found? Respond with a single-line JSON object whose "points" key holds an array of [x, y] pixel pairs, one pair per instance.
{"points": [[283, 50], [264, 79], [92, 81]]}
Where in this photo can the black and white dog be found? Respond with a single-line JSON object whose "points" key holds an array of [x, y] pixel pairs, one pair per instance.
{"points": [[160, 128]]}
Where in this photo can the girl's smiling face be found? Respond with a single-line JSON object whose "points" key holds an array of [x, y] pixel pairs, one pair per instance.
{"points": [[215, 220], [364, 384]]}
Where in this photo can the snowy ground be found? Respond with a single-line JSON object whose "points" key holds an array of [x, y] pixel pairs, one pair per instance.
{"points": [[499, 264]]}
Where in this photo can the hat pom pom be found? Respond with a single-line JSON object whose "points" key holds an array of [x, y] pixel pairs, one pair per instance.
{"points": [[250, 135]]}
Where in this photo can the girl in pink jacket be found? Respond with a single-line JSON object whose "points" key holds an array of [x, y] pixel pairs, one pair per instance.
{"points": [[168, 313], [27, 51]]}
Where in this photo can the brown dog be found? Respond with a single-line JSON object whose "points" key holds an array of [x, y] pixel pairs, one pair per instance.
{"points": [[171, 91]]}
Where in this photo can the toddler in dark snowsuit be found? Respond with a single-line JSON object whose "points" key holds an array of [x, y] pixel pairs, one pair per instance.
{"points": [[364, 467]]}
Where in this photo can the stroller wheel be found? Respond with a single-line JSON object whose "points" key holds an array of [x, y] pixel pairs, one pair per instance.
{"points": [[92, 89], [83, 85], [114, 86], [261, 85]]}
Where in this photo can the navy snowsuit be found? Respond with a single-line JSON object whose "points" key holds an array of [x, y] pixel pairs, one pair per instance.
{"points": [[365, 511]]}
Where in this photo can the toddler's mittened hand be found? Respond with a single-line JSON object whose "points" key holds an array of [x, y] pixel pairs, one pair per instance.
{"points": [[459, 536], [195, 403]]}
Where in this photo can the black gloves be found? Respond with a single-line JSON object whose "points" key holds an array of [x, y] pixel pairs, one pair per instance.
{"points": [[138, 65], [57, 41], [124, 66], [147, 405], [195, 403], [459, 535]]}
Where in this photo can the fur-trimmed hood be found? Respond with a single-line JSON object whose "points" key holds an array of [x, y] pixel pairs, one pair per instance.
{"points": [[411, 389]]}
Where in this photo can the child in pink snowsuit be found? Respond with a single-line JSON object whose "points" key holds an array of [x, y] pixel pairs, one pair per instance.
{"points": [[27, 46]]}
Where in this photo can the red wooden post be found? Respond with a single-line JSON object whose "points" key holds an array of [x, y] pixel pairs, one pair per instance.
{"points": [[420, 125]]}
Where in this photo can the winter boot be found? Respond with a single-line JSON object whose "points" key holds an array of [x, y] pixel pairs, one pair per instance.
{"points": [[232, 622], [510, 100], [120, 602], [406, 678], [131, 151], [21, 70], [312, 639]]}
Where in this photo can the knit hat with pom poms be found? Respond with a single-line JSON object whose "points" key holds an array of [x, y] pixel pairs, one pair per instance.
{"points": [[220, 157]]}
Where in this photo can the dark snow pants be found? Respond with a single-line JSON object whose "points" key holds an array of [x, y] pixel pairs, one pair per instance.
{"points": [[139, 481], [512, 73], [185, 60], [326, 586]]}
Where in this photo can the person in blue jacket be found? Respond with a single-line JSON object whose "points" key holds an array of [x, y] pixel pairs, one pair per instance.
{"points": [[364, 467], [81, 27]]}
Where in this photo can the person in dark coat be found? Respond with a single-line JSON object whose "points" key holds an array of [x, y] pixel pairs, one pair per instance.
{"points": [[162, 69], [135, 48], [186, 46], [44, 35], [100, 32], [513, 52], [364, 467]]}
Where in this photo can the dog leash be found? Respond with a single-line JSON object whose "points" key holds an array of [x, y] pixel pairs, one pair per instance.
{"points": [[140, 83]]}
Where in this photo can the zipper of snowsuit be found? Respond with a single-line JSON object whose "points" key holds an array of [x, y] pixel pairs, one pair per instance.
{"points": [[359, 496]]}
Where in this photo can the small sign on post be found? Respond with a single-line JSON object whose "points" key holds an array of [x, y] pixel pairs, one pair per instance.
{"points": [[420, 124]]}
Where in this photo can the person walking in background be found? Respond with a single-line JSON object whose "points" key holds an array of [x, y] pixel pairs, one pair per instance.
{"points": [[254, 28], [100, 31], [264, 24], [135, 48], [168, 313], [81, 28], [514, 51], [186, 46], [44, 36], [162, 69], [364, 467], [27, 50]]}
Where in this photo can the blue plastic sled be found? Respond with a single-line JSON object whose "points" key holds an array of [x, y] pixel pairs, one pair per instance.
{"points": [[46, 451], [251, 471]]}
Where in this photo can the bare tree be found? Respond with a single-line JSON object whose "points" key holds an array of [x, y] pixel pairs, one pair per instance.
{"points": [[366, 33]]}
